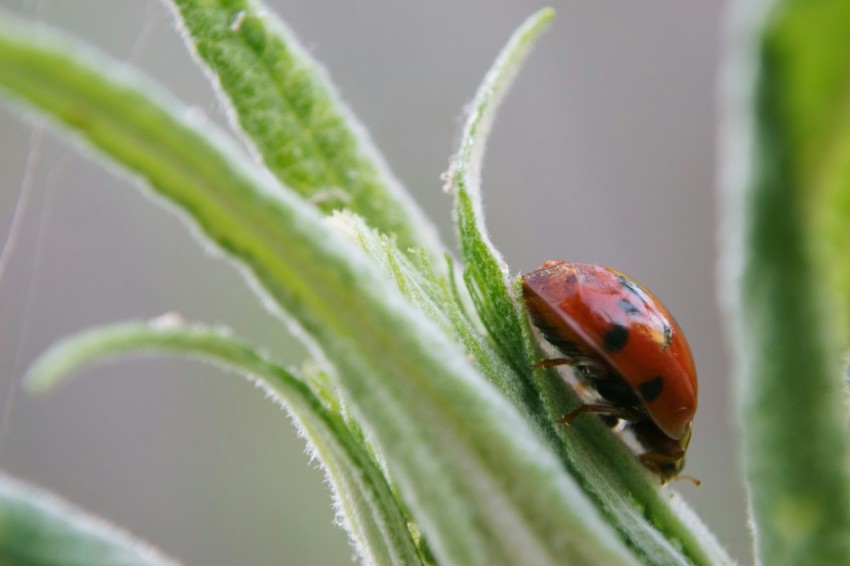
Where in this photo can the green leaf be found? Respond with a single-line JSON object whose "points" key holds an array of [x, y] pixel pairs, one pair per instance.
{"points": [[39, 529], [432, 294], [283, 100], [486, 273], [810, 44], [787, 169], [372, 517], [479, 481]]}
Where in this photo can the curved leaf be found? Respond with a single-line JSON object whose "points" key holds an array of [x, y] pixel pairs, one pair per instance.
{"points": [[486, 273], [39, 529], [371, 514]]}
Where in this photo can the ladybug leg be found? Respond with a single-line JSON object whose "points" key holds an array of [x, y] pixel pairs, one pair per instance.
{"points": [[624, 413], [587, 368], [546, 364]]}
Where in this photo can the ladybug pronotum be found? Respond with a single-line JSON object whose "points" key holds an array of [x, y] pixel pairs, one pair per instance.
{"points": [[625, 346]]}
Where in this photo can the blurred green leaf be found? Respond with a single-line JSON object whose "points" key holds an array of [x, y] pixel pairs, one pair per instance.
{"points": [[371, 514], [787, 237], [807, 44], [39, 529]]}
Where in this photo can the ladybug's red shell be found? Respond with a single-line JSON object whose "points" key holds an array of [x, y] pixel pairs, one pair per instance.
{"points": [[611, 318]]}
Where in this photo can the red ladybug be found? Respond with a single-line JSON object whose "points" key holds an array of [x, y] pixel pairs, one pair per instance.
{"points": [[627, 347]]}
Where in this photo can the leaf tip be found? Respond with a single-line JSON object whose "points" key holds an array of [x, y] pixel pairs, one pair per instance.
{"points": [[545, 15], [39, 379]]}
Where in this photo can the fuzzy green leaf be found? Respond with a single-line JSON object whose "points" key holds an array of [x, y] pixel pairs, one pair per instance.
{"points": [[486, 273], [371, 514], [432, 294], [283, 100], [787, 168], [39, 529], [480, 483]]}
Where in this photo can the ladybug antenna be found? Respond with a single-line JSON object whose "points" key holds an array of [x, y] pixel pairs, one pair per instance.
{"points": [[691, 479]]}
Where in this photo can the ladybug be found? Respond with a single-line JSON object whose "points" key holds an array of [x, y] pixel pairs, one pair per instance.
{"points": [[625, 346]]}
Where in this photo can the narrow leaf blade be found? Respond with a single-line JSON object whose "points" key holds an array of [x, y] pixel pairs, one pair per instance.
{"points": [[432, 295], [372, 517], [786, 320], [39, 529], [283, 100], [486, 272]]}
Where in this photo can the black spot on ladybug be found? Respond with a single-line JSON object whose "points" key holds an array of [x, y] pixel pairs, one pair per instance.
{"points": [[628, 307], [650, 390], [615, 338]]}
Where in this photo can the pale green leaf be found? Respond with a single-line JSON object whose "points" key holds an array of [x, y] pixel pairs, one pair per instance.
{"points": [[787, 167], [432, 294], [283, 100], [486, 273], [372, 517], [39, 529]]}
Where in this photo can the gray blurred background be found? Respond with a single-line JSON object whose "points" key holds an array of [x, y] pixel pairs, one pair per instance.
{"points": [[604, 152]]}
